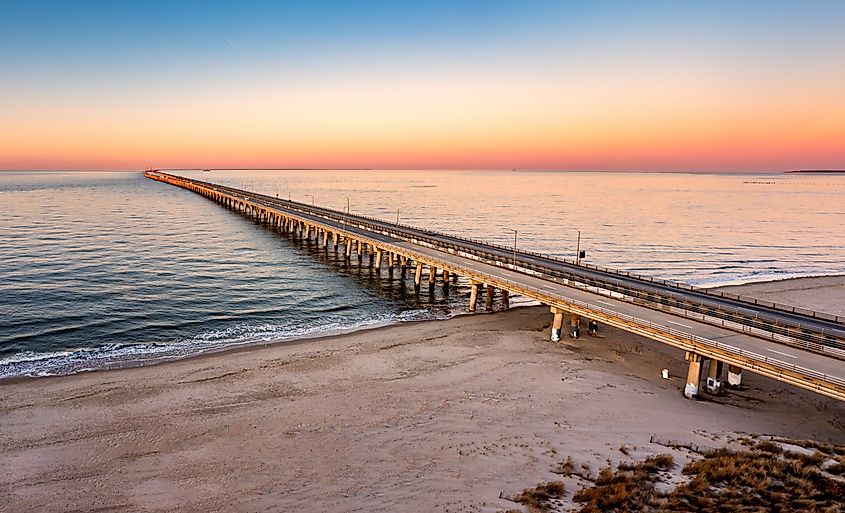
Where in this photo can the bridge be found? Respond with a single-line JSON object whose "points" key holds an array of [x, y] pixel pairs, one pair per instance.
{"points": [[720, 333]]}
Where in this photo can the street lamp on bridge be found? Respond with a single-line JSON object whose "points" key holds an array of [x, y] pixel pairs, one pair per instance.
{"points": [[514, 245]]}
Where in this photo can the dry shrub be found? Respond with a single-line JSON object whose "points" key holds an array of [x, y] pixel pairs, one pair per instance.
{"points": [[761, 478], [539, 498], [631, 486]]}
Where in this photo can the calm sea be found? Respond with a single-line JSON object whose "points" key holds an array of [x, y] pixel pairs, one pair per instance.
{"points": [[102, 269]]}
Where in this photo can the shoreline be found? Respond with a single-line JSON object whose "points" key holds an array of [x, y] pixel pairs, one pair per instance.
{"points": [[762, 288], [234, 349], [742, 282]]}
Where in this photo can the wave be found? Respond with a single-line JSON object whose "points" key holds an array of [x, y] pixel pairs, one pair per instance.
{"points": [[111, 356]]}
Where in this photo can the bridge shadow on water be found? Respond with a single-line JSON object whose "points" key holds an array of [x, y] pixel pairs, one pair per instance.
{"points": [[392, 283]]}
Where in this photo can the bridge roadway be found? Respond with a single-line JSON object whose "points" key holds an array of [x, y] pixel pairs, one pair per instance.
{"points": [[806, 329], [699, 338]]}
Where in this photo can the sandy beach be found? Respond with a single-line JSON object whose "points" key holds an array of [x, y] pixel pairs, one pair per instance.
{"points": [[825, 294], [428, 416]]}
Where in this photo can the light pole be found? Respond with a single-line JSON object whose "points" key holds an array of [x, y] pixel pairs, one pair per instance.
{"points": [[578, 249], [514, 246], [312, 199], [347, 205], [397, 216]]}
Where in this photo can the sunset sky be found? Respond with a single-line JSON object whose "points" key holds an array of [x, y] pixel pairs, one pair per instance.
{"points": [[593, 85]]}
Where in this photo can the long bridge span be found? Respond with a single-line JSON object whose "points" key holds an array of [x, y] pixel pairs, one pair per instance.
{"points": [[726, 332]]}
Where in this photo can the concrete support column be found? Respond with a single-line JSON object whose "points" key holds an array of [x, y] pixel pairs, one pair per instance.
{"points": [[575, 326], [403, 262], [714, 377], [445, 278], [432, 274], [734, 376], [488, 302], [378, 259], [506, 301], [360, 249], [348, 248], [473, 295], [693, 375], [418, 275], [557, 323], [390, 259]]}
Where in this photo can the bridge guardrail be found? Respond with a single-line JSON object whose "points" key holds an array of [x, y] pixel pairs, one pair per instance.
{"points": [[607, 270], [541, 295], [808, 337], [797, 333]]}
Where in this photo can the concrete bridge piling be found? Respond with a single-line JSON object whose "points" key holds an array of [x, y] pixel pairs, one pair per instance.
{"points": [[329, 228]]}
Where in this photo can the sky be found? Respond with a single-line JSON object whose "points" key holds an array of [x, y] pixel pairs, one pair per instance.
{"points": [[622, 85]]}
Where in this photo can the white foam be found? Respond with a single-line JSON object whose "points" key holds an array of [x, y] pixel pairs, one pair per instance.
{"points": [[34, 364]]}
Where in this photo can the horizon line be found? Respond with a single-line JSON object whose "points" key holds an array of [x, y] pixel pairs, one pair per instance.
{"points": [[516, 169]]}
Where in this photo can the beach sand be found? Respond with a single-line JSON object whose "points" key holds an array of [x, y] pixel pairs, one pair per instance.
{"points": [[427, 416], [826, 294]]}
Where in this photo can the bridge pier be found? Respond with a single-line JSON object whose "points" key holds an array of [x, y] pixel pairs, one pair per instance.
{"points": [[445, 278], [714, 377], [593, 327], [378, 259], [506, 303], [473, 295], [418, 275], [557, 323], [348, 247], [575, 326], [432, 275], [693, 375], [734, 376], [488, 301]]}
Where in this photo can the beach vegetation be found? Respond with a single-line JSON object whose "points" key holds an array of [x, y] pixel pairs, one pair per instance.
{"points": [[761, 476]]}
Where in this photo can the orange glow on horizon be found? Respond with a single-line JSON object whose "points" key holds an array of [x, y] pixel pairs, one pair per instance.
{"points": [[425, 123]]}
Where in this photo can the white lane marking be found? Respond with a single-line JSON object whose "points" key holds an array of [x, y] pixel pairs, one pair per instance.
{"points": [[679, 324], [604, 302], [780, 353]]}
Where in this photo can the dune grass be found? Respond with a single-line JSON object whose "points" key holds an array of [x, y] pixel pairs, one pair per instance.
{"points": [[764, 476]]}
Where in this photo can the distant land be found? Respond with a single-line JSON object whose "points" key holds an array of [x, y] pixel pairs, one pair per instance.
{"points": [[819, 171]]}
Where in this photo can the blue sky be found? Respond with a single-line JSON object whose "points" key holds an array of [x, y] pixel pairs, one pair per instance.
{"points": [[72, 53]]}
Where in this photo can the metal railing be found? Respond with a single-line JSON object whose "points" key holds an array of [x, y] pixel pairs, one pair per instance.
{"points": [[619, 319], [803, 337]]}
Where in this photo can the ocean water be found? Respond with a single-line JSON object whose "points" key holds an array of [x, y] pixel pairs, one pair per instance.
{"points": [[104, 269]]}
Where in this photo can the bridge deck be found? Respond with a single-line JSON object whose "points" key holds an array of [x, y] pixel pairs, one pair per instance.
{"points": [[796, 366]]}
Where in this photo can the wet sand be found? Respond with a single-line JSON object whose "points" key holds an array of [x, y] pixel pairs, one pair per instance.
{"points": [[428, 416]]}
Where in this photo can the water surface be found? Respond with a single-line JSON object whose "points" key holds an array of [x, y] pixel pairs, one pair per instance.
{"points": [[101, 269]]}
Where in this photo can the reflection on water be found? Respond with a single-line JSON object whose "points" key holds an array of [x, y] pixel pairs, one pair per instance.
{"points": [[100, 269]]}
